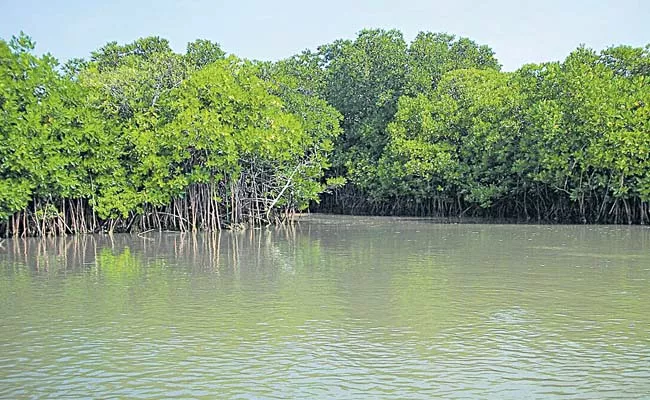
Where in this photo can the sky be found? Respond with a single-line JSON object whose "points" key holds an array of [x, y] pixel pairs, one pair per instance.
{"points": [[519, 31]]}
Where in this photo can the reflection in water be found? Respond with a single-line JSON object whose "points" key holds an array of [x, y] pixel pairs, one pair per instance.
{"points": [[334, 307]]}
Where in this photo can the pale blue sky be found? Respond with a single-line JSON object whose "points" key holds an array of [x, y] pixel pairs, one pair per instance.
{"points": [[519, 31]]}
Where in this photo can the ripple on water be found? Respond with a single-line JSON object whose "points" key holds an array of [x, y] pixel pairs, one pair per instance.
{"points": [[332, 310]]}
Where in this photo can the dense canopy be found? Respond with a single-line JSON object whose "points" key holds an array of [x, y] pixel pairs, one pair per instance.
{"points": [[138, 137]]}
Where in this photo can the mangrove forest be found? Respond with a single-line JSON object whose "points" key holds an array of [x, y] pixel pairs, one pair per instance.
{"points": [[138, 137]]}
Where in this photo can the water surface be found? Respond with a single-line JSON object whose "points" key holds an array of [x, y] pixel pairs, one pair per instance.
{"points": [[335, 307]]}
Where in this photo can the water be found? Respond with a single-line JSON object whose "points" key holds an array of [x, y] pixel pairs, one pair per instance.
{"points": [[337, 307]]}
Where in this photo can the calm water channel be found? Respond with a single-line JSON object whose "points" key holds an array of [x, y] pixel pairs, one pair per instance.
{"points": [[337, 307]]}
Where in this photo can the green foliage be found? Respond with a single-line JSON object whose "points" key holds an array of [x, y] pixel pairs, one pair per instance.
{"points": [[561, 140], [138, 127], [203, 52], [364, 80], [297, 81], [431, 55], [114, 55], [227, 117], [52, 143], [461, 139], [140, 137]]}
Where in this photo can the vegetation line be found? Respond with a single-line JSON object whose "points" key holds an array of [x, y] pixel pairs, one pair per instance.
{"points": [[139, 138]]}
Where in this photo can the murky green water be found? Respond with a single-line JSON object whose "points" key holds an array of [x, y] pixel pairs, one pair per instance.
{"points": [[337, 307]]}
